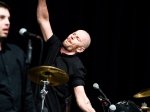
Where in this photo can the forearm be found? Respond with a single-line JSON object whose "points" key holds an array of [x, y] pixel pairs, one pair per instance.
{"points": [[82, 100], [42, 11], [43, 19], [85, 106]]}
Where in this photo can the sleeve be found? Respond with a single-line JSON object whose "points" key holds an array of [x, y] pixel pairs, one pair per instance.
{"points": [[79, 77], [51, 49], [51, 40]]}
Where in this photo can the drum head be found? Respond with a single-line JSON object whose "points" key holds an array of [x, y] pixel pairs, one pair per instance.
{"points": [[127, 106]]}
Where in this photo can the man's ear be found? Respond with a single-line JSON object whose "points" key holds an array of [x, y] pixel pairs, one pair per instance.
{"points": [[80, 49]]}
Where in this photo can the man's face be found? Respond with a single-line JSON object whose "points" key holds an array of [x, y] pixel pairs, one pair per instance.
{"points": [[4, 22], [73, 41]]}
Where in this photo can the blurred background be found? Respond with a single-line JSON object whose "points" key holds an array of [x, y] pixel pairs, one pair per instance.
{"points": [[119, 56]]}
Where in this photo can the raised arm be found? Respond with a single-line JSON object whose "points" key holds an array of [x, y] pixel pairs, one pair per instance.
{"points": [[82, 100], [43, 19]]}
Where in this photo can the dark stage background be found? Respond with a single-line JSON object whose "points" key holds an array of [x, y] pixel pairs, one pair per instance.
{"points": [[119, 56]]}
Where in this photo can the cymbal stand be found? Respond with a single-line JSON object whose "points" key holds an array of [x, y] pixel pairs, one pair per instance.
{"points": [[43, 93]]}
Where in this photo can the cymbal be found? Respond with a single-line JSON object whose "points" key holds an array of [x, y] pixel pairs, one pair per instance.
{"points": [[143, 93], [52, 74]]}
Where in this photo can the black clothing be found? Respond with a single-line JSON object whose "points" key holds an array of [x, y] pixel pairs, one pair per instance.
{"points": [[15, 89], [71, 64]]}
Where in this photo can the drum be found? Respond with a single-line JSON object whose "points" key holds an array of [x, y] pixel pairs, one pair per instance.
{"points": [[127, 106]]}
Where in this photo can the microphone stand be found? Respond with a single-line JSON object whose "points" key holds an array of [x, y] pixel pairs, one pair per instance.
{"points": [[29, 53], [27, 65], [43, 92]]}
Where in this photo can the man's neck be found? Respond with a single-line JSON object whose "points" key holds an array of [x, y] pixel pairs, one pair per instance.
{"points": [[64, 51]]}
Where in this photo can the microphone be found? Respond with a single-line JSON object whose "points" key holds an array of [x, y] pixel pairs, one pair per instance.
{"points": [[24, 32], [112, 108], [104, 100], [29, 52], [96, 86]]}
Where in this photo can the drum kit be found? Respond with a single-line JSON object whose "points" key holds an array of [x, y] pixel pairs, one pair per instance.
{"points": [[47, 75], [52, 76], [130, 106], [142, 94]]}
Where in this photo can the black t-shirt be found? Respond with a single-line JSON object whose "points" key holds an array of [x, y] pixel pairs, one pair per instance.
{"points": [[71, 64]]}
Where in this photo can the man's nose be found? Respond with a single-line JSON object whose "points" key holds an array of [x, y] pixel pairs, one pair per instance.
{"points": [[72, 37], [7, 22]]}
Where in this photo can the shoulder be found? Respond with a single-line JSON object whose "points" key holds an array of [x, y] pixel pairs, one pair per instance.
{"points": [[15, 48], [12, 46], [52, 39], [77, 61]]}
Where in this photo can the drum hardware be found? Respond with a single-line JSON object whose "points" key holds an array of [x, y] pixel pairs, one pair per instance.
{"points": [[145, 108], [127, 106], [144, 105], [43, 93], [103, 102], [47, 75], [106, 103], [143, 93]]}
